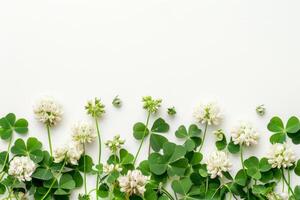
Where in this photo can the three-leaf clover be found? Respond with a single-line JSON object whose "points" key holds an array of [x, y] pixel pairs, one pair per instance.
{"points": [[292, 129], [172, 161], [9, 124], [192, 136], [32, 148]]}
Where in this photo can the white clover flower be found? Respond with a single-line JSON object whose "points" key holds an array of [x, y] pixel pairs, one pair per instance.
{"points": [[108, 168], [48, 111], [281, 155], [244, 134], [275, 196], [208, 113], [71, 152], [115, 144], [133, 183], [83, 132], [21, 168], [22, 196], [217, 163], [283, 196]]}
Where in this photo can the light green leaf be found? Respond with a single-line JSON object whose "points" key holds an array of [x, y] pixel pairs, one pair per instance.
{"points": [[140, 131], [66, 182], [293, 125]]}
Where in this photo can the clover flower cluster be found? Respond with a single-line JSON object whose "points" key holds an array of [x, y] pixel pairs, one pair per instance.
{"points": [[83, 133], [95, 108], [48, 111], [244, 134], [208, 114], [133, 183], [150, 104], [281, 155], [71, 153], [22, 168], [115, 144], [109, 168], [217, 163]]}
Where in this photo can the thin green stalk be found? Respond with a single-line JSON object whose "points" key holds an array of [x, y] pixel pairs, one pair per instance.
{"points": [[139, 149], [167, 193], [244, 169], [99, 155], [53, 182], [287, 183], [175, 195], [289, 179], [11, 189], [49, 139], [6, 157], [242, 158], [204, 135], [84, 170], [2, 175], [283, 184], [206, 185]]}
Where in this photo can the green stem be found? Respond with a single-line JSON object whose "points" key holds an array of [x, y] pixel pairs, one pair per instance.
{"points": [[49, 139], [53, 182], [6, 157], [84, 170], [10, 191], [244, 169], [206, 185], [175, 195], [289, 179], [167, 193], [204, 135], [99, 156], [242, 158], [283, 184], [146, 127], [288, 184]]}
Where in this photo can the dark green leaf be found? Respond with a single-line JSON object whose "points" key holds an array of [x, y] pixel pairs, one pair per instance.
{"points": [[160, 126], [157, 141]]}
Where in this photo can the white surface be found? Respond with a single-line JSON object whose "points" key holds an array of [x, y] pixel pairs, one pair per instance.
{"points": [[240, 53]]}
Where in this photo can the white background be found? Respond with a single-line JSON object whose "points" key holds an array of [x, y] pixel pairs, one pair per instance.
{"points": [[239, 53]]}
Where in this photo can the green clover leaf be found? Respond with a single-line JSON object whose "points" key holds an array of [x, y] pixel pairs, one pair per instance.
{"points": [[32, 149], [9, 124], [140, 131], [292, 129], [192, 136], [172, 160]]}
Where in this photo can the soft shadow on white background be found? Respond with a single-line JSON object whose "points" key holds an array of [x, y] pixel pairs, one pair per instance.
{"points": [[239, 53]]}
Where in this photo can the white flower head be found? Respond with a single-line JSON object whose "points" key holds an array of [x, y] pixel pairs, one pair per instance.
{"points": [[244, 134], [115, 144], [275, 196], [109, 168], [22, 196], [83, 132], [208, 113], [281, 155], [22, 168], [218, 162], [133, 183], [283, 196], [48, 111], [71, 152]]}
